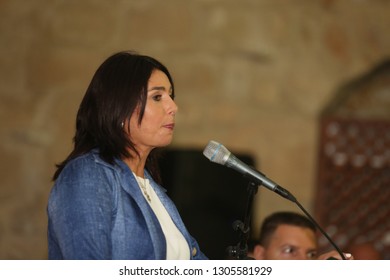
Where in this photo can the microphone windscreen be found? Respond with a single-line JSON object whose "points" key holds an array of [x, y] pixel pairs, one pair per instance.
{"points": [[216, 152]]}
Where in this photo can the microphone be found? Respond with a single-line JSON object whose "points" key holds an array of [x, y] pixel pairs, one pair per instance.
{"points": [[217, 153]]}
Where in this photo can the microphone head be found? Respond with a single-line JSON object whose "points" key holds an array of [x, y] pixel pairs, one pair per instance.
{"points": [[216, 152]]}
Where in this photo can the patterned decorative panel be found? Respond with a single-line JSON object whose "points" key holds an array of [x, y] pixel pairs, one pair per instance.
{"points": [[353, 187]]}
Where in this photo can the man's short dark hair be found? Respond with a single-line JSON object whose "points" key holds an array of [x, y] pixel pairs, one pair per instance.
{"points": [[271, 223]]}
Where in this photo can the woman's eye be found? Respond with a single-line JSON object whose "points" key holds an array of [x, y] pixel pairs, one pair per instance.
{"points": [[157, 97], [172, 96]]}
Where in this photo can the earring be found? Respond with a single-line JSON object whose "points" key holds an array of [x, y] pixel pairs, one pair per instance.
{"points": [[122, 124]]}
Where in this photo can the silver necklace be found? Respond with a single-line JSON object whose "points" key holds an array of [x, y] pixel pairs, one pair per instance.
{"points": [[143, 187]]}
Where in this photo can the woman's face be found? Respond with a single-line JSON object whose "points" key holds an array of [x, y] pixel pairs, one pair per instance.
{"points": [[156, 128]]}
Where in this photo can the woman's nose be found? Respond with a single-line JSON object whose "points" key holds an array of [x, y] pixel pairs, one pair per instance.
{"points": [[172, 108]]}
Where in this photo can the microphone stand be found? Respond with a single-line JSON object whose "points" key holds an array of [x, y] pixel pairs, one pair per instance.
{"points": [[240, 251]]}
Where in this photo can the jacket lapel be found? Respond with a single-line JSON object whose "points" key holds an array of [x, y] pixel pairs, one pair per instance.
{"points": [[130, 186]]}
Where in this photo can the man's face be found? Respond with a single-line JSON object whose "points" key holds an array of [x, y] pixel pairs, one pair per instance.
{"points": [[291, 243]]}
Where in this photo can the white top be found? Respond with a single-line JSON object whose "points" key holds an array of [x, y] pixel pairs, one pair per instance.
{"points": [[177, 246]]}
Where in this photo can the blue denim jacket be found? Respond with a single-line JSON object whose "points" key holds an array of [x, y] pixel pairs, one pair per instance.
{"points": [[97, 211]]}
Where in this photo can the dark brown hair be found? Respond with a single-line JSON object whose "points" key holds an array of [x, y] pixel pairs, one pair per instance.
{"points": [[271, 223]]}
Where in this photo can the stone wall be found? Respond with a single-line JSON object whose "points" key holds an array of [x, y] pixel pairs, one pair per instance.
{"points": [[251, 74]]}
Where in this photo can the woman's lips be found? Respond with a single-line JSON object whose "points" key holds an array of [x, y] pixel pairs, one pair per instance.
{"points": [[169, 126]]}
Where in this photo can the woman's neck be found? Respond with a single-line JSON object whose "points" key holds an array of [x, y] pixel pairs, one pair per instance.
{"points": [[137, 164]]}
